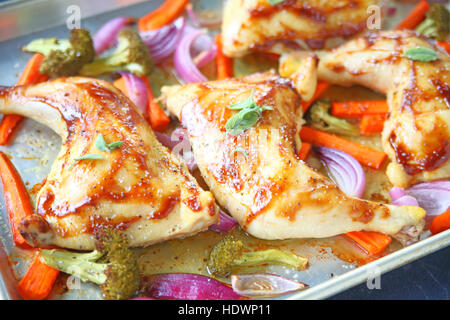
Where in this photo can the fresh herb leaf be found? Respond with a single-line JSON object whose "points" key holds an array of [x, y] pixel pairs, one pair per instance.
{"points": [[243, 120], [90, 156], [115, 145], [274, 2], [421, 54], [247, 103], [248, 115], [101, 144]]}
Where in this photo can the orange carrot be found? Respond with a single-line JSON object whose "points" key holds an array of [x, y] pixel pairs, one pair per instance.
{"points": [[372, 123], [365, 155], [224, 64], [372, 242], [165, 14], [357, 109], [18, 202], [38, 281], [159, 121], [121, 85], [444, 45], [321, 88], [441, 222], [304, 151], [416, 16], [29, 75]]}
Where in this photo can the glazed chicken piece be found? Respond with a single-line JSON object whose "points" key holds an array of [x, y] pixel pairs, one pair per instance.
{"points": [[416, 134], [139, 188], [256, 175], [257, 25]]}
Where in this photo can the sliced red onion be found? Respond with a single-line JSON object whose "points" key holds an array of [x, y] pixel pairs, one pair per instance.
{"points": [[166, 140], [226, 223], [204, 42], [184, 66], [106, 36], [434, 197], [396, 193], [264, 285], [205, 57], [162, 42], [345, 171], [137, 91], [210, 23], [188, 286], [180, 145], [406, 201]]}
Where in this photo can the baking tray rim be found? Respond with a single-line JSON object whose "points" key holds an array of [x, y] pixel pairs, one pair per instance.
{"points": [[329, 287]]}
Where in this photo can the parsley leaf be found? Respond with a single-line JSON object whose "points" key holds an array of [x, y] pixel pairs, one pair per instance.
{"points": [[421, 54]]}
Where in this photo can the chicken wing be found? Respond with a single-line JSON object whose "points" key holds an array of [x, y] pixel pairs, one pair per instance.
{"points": [[257, 176], [258, 25], [416, 134], [139, 188]]}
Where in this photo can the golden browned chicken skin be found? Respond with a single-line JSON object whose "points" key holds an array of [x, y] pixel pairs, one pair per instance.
{"points": [[257, 25], [416, 134], [139, 188], [257, 176]]}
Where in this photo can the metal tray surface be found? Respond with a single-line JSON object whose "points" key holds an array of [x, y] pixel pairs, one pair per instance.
{"points": [[36, 146]]}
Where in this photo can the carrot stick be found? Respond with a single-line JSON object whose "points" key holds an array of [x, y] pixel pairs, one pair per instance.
{"points": [[357, 109], [29, 75], [321, 88], [365, 155], [38, 281], [159, 121], [165, 14], [444, 45], [304, 151], [416, 16], [121, 85], [372, 123], [224, 64], [18, 202], [372, 242], [441, 222]]}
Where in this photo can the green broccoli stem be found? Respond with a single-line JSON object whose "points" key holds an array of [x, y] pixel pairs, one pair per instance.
{"points": [[98, 67], [82, 265], [270, 256], [45, 46], [427, 28], [339, 123]]}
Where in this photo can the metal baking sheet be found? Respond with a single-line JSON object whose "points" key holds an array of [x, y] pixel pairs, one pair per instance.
{"points": [[36, 146]]}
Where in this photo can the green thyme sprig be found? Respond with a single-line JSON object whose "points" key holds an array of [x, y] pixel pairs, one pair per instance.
{"points": [[248, 115]]}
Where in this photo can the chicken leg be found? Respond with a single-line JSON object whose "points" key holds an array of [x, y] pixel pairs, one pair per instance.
{"points": [[291, 24], [139, 188], [257, 176], [416, 134]]}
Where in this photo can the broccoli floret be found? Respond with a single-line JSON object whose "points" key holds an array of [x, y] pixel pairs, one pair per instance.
{"points": [[131, 54], [229, 253], [319, 117], [112, 265], [437, 23], [64, 57]]}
